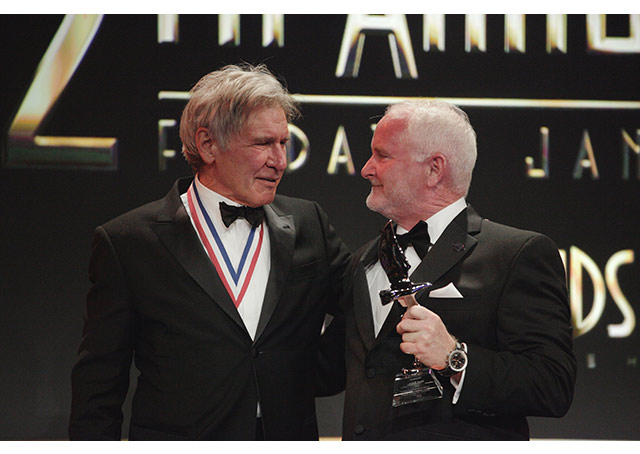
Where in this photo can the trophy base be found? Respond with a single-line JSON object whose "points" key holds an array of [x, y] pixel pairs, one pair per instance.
{"points": [[387, 296], [415, 385]]}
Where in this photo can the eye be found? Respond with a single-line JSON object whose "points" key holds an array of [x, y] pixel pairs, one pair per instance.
{"points": [[380, 155]]}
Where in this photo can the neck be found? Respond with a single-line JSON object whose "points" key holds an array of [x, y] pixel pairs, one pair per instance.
{"points": [[210, 183], [436, 202]]}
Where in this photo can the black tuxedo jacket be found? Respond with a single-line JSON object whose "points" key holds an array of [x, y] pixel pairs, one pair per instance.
{"points": [[514, 318], [156, 297]]}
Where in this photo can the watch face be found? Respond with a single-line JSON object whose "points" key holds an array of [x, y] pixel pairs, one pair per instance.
{"points": [[458, 360]]}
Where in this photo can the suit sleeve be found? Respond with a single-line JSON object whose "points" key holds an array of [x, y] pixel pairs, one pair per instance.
{"points": [[100, 377], [331, 376], [533, 370]]}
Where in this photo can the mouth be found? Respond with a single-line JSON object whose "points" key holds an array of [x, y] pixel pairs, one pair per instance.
{"points": [[269, 180]]}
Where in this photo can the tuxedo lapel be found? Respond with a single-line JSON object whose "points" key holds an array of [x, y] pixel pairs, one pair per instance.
{"points": [[361, 301], [454, 244], [175, 231], [392, 320], [282, 236]]}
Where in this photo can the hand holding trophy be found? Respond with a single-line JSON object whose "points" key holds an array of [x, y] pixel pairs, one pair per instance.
{"points": [[418, 383]]}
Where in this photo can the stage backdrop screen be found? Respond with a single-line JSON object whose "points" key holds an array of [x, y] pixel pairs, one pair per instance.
{"points": [[90, 111]]}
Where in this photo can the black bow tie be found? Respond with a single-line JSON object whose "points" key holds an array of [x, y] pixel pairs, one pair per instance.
{"points": [[418, 236], [231, 213]]}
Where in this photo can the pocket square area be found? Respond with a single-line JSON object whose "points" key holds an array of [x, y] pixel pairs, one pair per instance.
{"points": [[448, 291]]}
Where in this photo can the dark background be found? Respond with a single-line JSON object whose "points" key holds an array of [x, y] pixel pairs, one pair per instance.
{"points": [[48, 213]]}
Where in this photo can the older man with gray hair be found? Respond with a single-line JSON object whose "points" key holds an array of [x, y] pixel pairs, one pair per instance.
{"points": [[494, 329], [218, 291]]}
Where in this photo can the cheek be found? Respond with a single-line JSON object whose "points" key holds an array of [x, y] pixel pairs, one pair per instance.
{"points": [[391, 174], [247, 166], [256, 161], [379, 171]]}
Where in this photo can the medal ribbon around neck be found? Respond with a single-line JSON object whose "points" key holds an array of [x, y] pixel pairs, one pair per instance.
{"points": [[233, 273]]}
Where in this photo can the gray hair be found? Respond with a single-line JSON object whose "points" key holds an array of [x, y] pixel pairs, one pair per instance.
{"points": [[222, 100], [435, 126]]}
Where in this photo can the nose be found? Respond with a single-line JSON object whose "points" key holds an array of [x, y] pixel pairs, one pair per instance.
{"points": [[367, 169], [278, 157]]}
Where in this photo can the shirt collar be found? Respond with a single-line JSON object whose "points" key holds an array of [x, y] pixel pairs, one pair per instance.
{"points": [[211, 202], [441, 220], [210, 198]]}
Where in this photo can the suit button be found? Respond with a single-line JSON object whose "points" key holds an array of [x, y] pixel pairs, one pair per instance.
{"points": [[255, 352], [371, 372], [358, 430]]}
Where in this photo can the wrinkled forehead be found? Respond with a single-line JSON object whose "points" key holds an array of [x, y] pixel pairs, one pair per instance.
{"points": [[268, 121]]}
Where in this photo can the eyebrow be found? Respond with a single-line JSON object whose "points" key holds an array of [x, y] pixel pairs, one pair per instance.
{"points": [[271, 138]]}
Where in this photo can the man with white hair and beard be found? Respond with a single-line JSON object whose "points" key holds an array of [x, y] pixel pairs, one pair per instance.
{"points": [[494, 327]]}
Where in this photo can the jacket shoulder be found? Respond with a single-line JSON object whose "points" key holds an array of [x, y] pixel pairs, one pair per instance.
{"points": [[508, 235], [285, 205], [134, 219]]}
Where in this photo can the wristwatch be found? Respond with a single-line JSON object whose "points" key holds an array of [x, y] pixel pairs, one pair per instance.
{"points": [[456, 362]]}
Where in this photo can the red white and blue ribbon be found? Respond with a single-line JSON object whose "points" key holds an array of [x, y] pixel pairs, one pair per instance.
{"points": [[235, 280]]}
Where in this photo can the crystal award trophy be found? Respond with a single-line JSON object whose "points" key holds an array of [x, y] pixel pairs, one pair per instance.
{"points": [[418, 383]]}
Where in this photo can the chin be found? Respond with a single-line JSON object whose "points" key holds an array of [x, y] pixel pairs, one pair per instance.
{"points": [[379, 206], [263, 200], [372, 203]]}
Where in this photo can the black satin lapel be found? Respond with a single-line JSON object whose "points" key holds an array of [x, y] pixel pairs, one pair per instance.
{"points": [[451, 247], [370, 253], [282, 236], [392, 320], [181, 240], [361, 301]]}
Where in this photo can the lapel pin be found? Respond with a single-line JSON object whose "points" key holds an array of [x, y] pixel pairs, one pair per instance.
{"points": [[457, 247]]}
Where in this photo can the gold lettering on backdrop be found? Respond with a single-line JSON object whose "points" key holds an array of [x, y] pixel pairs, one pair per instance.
{"points": [[542, 172], [598, 41], [26, 148], [229, 29], [586, 159], [514, 33], [167, 28], [297, 136], [579, 260], [433, 35], [628, 146], [626, 327], [433, 32], [355, 31], [272, 30], [475, 33], [556, 33], [340, 154], [164, 152]]}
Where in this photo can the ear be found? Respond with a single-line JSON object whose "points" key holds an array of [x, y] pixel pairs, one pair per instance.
{"points": [[436, 166], [206, 145]]}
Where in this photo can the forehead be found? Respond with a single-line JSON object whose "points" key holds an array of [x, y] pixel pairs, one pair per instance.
{"points": [[266, 119], [390, 132]]}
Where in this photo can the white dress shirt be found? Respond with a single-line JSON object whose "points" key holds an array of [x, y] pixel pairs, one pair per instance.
{"points": [[234, 239]]}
